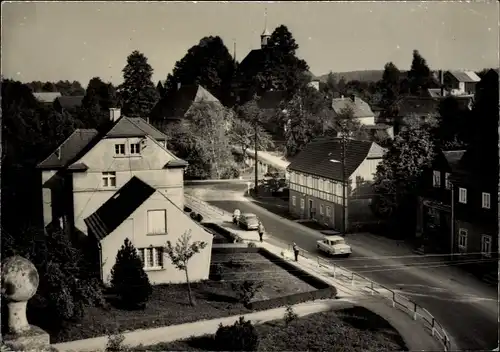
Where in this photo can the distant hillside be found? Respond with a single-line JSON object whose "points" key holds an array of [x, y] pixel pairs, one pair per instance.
{"points": [[363, 76]]}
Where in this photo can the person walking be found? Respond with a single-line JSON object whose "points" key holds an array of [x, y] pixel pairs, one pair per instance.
{"points": [[261, 231], [296, 251]]}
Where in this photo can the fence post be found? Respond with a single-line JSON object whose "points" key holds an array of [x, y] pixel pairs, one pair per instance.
{"points": [[433, 323], [393, 299], [415, 311]]}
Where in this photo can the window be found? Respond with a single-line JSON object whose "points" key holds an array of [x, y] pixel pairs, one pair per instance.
{"points": [[321, 183], [302, 203], [120, 149], [157, 221], [294, 200], [447, 180], [462, 239], [462, 195], [327, 211], [486, 245], [486, 200], [321, 210], [151, 257], [436, 178], [135, 148], [109, 179]]}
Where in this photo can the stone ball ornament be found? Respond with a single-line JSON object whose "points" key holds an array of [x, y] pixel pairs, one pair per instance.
{"points": [[19, 283], [19, 279]]}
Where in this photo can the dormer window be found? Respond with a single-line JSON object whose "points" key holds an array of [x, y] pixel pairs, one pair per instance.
{"points": [[119, 149]]}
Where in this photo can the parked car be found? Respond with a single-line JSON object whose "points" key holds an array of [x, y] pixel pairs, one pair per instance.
{"points": [[248, 221], [334, 245]]}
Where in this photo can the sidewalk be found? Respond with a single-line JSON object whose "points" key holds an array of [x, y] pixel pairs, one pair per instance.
{"points": [[349, 286], [199, 328]]}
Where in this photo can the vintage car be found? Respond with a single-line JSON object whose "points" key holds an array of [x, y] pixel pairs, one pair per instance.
{"points": [[334, 245], [248, 221]]}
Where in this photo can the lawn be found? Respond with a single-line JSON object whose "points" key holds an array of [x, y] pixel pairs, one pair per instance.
{"points": [[276, 281], [169, 304], [350, 329]]}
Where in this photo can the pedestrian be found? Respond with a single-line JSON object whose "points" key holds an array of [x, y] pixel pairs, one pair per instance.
{"points": [[261, 231], [296, 251]]}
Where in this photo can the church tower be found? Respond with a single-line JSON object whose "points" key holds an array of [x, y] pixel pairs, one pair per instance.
{"points": [[264, 37]]}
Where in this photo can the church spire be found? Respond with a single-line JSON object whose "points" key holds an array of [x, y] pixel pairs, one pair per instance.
{"points": [[264, 37]]}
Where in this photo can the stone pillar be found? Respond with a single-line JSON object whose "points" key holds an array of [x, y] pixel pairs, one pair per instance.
{"points": [[19, 283]]}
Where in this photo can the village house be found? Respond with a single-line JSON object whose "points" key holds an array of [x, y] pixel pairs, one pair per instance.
{"points": [[316, 181], [460, 82], [101, 188], [68, 103], [434, 226], [360, 109]]}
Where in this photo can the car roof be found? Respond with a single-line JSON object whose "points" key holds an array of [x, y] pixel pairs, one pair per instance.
{"points": [[330, 232], [249, 215], [334, 237]]}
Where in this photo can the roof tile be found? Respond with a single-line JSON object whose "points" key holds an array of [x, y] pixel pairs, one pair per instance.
{"points": [[359, 107]]}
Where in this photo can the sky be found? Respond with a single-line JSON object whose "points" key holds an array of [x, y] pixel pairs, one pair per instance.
{"points": [[50, 41]]}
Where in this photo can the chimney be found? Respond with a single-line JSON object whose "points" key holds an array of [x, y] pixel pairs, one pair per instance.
{"points": [[441, 82], [178, 85], [353, 98], [114, 114]]}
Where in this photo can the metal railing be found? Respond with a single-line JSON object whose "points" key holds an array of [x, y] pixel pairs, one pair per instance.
{"points": [[398, 301]]}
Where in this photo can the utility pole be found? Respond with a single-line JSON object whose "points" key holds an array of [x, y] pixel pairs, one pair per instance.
{"points": [[343, 141], [256, 158]]}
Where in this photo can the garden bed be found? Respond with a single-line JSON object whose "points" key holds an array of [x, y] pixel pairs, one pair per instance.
{"points": [[350, 329], [169, 304]]}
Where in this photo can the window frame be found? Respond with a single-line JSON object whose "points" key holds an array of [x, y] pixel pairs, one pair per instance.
{"points": [[108, 178], [483, 242], [462, 200], [150, 233], [486, 205], [447, 181], [294, 201], [462, 234], [328, 211], [156, 252], [321, 209], [137, 146], [119, 149], [436, 178], [302, 203]]}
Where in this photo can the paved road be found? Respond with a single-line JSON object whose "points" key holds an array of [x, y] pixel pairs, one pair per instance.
{"points": [[466, 307]]}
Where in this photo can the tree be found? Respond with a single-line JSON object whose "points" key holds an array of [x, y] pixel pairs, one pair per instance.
{"points": [[341, 86], [137, 93], [243, 134], [419, 76], [161, 90], [49, 87], [128, 278], [98, 99], [181, 254], [453, 121], [208, 64], [331, 84], [390, 84], [397, 177]]}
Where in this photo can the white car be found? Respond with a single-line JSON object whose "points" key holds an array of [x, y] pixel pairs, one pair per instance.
{"points": [[334, 245]]}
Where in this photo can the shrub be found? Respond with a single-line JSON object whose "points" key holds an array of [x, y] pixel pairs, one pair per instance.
{"points": [[115, 343], [290, 315], [242, 336], [246, 290], [187, 209], [193, 215], [199, 217], [128, 278], [217, 272], [251, 245]]}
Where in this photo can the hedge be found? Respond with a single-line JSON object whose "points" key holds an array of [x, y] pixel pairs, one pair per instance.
{"points": [[233, 238], [325, 293]]}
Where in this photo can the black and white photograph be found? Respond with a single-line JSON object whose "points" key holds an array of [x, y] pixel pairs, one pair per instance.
{"points": [[250, 176]]}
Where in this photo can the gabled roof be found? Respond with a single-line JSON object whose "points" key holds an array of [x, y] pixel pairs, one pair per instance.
{"points": [[359, 107], [435, 93], [68, 149], [119, 207], [46, 97], [323, 157], [453, 157], [70, 102], [82, 141], [177, 105], [409, 105], [134, 127], [465, 76]]}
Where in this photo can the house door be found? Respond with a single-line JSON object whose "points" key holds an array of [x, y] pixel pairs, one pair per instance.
{"points": [[311, 210]]}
